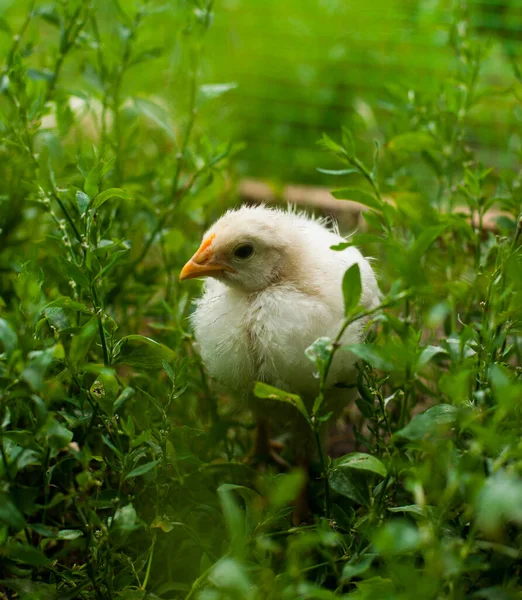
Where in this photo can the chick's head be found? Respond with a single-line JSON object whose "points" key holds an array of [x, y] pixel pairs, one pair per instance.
{"points": [[247, 249]]}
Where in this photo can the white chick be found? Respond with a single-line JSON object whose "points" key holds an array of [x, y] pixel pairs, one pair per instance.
{"points": [[273, 287]]}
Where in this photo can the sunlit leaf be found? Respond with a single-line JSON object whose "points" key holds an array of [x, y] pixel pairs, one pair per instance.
{"points": [[358, 460], [142, 469], [102, 197], [358, 195], [437, 418], [263, 390], [141, 351]]}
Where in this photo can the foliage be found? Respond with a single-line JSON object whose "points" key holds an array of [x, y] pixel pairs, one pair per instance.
{"points": [[122, 472]]}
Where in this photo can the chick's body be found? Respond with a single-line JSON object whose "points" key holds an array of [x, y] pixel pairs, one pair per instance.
{"points": [[254, 322]]}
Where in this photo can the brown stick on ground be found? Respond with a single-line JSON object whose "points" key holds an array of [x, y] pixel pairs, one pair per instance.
{"points": [[347, 212]]}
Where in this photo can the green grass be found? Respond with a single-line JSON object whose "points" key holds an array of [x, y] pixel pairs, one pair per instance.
{"points": [[121, 464]]}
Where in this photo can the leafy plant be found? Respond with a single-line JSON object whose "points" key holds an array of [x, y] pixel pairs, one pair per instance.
{"points": [[121, 467]]}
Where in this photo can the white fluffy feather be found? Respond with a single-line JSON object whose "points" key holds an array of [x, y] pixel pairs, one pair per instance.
{"points": [[249, 331]]}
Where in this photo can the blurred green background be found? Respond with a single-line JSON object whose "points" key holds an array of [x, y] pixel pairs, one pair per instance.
{"points": [[297, 68]]}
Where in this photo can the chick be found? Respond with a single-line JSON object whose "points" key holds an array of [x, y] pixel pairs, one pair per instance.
{"points": [[274, 286]]}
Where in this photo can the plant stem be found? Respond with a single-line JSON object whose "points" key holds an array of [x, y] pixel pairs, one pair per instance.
{"points": [[352, 319], [17, 39], [77, 234], [97, 308], [116, 95], [198, 583], [188, 131], [324, 473], [149, 565], [67, 41]]}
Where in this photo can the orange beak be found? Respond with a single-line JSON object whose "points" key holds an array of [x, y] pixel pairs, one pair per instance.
{"points": [[202, 264]]}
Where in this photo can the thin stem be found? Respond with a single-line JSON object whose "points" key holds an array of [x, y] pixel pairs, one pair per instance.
{"points": [[161, 223], [97, 308], [198, 583], [65, 45], [352, 319], [324, 473], [384, 415], [190, 125], [17, 39], [4, 459], [149, 565], [116, 93], [77, 234]]}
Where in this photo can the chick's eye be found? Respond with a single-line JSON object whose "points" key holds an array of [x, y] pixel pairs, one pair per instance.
{"points": [[243, 251]]}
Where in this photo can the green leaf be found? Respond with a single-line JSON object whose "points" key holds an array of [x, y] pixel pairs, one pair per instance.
{"points": [[102, 197], [338, 172], [319, 353], [397, 537], [235, 519], [26, 554], [507, 390], [104, 390], [415, 141], [40, 361], [49, 14], [231, 576], [428, 512], [40, 75], [357, 239], [32, 590], [9, 514], [250, 499], [375, 355], [142, 469], [286, 488], [214, 90], [116, 258], [357, 566], [83, 201], [92, 181], [157, 114], [363, 462], [146, 55], [58, 436], [82, 341], [499, 502], [428, 353], [74, 272], [352, 289], [166, 524], [350, 483], [127, 393], [348, 141], [4, 26], [69, 534], [327, 143], [125, 518], [441, 416], [263, 390], [8, 337], [110, 445], [357, 195], [426, 239], [141, 351], [343, 517], [66, 302]]}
